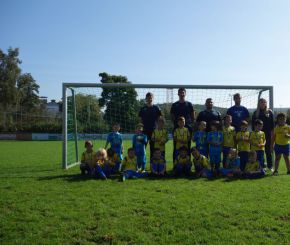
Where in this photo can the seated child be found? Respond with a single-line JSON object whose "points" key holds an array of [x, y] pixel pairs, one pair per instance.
{"points": [[182, 164], [103, 168], [114, 161], [158, 163], [199, 137], [129, 166], [140, 141], [253, 168], [201, 164], [215, 140], [88, 162], [232, 164]]}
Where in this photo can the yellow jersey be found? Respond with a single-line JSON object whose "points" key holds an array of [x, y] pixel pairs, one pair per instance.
{"points": [[243, 141], [160, 137], [280, 134], [257, 137], [89, 158], [229, 136], [182, 160], [129, 163], [255, 166], [182, 137], [158, 161], [112, 160], [202, 161]]}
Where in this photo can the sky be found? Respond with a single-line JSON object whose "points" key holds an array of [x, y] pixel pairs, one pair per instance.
{"points": [[220, 42]]}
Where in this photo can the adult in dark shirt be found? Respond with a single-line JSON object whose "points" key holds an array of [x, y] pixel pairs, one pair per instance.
{"points": [[267, 117], [148, 115], [238, 112], [182, 108], [209, 114]]}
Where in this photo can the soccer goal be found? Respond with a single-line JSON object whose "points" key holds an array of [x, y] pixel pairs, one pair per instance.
{"points": [[90, 109]]}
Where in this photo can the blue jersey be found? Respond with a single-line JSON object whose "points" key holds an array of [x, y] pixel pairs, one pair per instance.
{"points": [[215, 137], [139, 143], [199, 138], [238, 113], [116, 141], [233, 163]]}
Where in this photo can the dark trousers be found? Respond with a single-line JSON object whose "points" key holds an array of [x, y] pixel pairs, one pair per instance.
{"points": [[151, 143], [268, 152]]}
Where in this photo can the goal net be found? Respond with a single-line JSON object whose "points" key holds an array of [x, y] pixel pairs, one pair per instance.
{"points": [[90, 109]]}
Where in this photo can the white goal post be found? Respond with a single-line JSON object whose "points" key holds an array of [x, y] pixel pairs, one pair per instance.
{"points": [[87, 117]]}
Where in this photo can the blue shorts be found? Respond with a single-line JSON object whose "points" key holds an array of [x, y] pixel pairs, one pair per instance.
{"points": [[282, 149]]}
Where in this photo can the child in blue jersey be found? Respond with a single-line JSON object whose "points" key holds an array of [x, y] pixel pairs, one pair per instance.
{"points": [[113, 160], [232, 164], [129, 166], [215, 140], [140, 141], [158, 163], [115, 139], [182, 163], [88, 162], [201, 164], [199, 137]]}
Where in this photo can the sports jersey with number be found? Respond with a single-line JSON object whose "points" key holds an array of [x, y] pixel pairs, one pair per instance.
{"points": [[280, 134], [160, 137], [202, 161], [257, 137], [242, 144], [116, 140], [182, 137], [217, 138], [252, 166], [229, 136], [129, 163], [182, 160], [199, 138], [89, 158]]}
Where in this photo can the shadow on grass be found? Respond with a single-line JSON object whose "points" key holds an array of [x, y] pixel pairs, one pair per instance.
{"points": [[75, 177]]}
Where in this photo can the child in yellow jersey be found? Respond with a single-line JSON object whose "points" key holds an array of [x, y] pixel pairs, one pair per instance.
{"points": [[160, 136], [229, 133], [258, 141], [281, 142], [88, 162], [158, 164], [243, 144], [181, 136], [129, 166], [113, 160], [253, 169], [201, 164], [182, 163], [102, 168]]}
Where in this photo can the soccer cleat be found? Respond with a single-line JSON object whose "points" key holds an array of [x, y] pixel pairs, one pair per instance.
{"points": [[271, 169], [124, 178], [275, 173]]}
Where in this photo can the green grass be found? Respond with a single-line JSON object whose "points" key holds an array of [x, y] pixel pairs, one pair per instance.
{"points": [[42, 204]]}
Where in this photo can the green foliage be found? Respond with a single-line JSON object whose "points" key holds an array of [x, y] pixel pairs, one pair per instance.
{"points": [[114, 99], [41, 203]]}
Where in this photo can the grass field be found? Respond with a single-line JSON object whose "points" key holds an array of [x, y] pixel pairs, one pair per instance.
{"points": [[42, 204]]}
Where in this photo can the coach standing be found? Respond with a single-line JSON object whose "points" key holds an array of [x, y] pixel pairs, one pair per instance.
{"points": [[238, 112], [209, 114], [148, 115], [182, 108], [267, 117]]}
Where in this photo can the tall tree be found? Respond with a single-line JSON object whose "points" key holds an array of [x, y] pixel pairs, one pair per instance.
{"points": [[27, 92], [9, 73], [120, 104]]}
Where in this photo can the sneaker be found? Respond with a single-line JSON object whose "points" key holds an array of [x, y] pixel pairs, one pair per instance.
{"points": [[271, 169], [275, 173], [124, 178], [143, 171]]}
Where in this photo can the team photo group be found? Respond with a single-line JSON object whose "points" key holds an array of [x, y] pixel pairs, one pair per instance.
{"points": [[204, 145]]}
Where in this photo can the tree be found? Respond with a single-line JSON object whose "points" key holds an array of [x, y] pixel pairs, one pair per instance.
{"points": [[9, 73], [121, 105], [27, 91]]}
